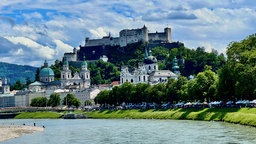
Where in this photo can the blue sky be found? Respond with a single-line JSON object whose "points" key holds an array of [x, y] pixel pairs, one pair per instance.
{"points": [[35, 30]]}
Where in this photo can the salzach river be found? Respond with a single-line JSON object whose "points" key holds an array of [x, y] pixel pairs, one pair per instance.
{"points": [[129, 131]]}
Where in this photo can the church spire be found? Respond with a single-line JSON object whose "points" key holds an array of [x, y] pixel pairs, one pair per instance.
{"points": [[175, 66], [146, 54], [45, 64]]}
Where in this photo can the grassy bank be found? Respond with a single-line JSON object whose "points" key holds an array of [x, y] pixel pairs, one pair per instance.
{"points": [[38, 115], [245, 116], [45, 114]]}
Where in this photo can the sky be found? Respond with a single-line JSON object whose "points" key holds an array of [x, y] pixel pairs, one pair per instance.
{"points": [[32, 31]]}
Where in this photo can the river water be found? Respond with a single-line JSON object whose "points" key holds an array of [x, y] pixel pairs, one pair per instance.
{"points": [[130, 131]]}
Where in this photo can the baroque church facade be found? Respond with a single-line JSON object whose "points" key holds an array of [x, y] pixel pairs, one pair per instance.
{"points": [[147, 72], [67, 80], [79, 80]]}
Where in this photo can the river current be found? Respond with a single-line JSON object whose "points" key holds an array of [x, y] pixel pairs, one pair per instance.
{"points": [[130, 131]]}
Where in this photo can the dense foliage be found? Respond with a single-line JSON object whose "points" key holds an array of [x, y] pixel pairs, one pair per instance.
{"points": [[71, 100], [202, 88], [235, 80], [54, 100], [39, 102], [103, 72]]}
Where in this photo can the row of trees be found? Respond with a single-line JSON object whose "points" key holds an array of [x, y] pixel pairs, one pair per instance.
{"points": [[202, 88], [236, 79], [55, 100]]}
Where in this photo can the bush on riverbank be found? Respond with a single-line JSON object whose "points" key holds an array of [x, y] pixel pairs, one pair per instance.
{"points": [[245, 116]]}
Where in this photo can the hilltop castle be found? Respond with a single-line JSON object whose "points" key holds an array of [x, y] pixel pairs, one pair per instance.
{"points": [[94, 49], [128, 36]]}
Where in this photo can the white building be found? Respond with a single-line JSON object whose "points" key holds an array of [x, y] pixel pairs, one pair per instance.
{"points": [[79, 80], [147, 72]]}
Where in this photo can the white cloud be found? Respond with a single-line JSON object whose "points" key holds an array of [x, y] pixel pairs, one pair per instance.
{"points": [[61, 47], [18, 52], [34, 15], [49, 28], [98, 32], [37, 49]]}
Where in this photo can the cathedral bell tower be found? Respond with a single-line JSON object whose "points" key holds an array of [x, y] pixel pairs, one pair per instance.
{"points": [[66, 72]]}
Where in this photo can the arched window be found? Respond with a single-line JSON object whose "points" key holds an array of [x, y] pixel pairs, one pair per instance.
{"points": [[149, 67], [154, 67], [131, 80], [144, 78], [139, 78]]}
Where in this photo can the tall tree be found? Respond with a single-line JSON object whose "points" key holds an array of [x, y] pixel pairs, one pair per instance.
{"points": [[54, 100]]}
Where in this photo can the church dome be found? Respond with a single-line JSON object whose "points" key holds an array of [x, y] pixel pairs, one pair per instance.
{"points": [[150, 60], [84, 63], [46, 72]]}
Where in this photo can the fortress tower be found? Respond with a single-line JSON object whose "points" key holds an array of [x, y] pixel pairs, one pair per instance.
{"points": [[168, 33]]}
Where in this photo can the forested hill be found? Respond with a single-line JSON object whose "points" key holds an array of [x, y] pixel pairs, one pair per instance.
{"points": [[14, 72]]}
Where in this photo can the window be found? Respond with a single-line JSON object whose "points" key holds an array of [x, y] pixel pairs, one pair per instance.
{"points": [[131, 80]]}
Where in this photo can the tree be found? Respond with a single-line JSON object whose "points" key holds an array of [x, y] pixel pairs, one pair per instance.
{"points": [[54, 100], [39, 102], [240, 69], [18, 85], [71, 100], [204, 84], [37, 78], [28, 81], [174, 89]]}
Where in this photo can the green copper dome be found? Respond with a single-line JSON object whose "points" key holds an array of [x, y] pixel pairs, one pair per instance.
{"points": [[46, 72], [84, 63]]}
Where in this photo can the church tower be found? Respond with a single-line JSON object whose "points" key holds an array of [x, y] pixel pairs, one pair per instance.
{"points": [[175, 66], [85, 74], [150, 61], [66, 72]]}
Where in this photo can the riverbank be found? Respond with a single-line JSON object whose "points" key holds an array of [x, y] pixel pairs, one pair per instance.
{"points": [[13, 131], [244, 116], [39, 115]]}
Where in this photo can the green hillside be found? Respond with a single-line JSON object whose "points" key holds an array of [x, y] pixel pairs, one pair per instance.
{"points": [[14, 72]]}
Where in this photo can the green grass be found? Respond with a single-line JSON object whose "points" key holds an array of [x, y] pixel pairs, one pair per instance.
{"points": [[244, 116], [38, 115]]}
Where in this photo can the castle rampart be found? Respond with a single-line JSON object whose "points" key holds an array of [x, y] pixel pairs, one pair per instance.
{"points": [[128, 36]]}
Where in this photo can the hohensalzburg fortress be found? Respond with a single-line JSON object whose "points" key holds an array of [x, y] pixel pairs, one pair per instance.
{"points": [[128, 36]]}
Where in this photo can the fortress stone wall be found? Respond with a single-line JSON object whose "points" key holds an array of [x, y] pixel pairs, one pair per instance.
{"points": [[128, 36]]}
